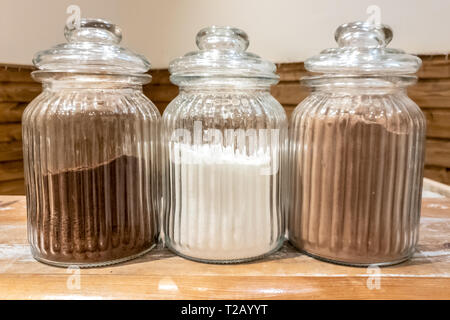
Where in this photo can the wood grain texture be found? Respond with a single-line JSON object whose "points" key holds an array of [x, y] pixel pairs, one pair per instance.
{"points": [[286, 274], [11, 170], [438, 123], [289, 109], [160, 76], [431, 93], [437, 187], [14, 73], [11, 111], [161, 106], [289, 93], [291, 72], [12, 187], [437, 152], [11, 150], [434, 67], [438, 173], [19, 91], [161, 93], [10, 132]]}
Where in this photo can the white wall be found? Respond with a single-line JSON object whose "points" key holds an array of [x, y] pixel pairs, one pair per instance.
{"points": [[28, 26], [279, 30]]}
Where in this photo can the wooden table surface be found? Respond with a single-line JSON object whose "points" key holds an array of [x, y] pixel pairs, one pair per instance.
{"points": [[284, 275]]}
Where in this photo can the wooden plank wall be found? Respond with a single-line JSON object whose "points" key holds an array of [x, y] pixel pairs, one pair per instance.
{"points": [[431, 93], [17, 89]]}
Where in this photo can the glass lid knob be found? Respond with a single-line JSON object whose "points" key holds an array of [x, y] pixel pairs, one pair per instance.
{"points": [[222, 38], [94, 30], [363, 35], [93, 47], [362, 50]]}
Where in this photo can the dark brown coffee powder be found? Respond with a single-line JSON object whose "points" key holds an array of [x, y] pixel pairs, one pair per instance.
{"points": [[96, 215]]}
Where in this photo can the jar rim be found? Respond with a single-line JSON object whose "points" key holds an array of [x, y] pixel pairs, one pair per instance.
{"points": [[212, 80], [61, 75], [358, 81]]}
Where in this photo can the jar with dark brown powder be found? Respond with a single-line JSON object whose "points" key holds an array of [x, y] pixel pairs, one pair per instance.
{"points": [[91, 152], [357, 153]]}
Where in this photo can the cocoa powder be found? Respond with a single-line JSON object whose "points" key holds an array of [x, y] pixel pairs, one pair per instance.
{"points": [[96, 215]]}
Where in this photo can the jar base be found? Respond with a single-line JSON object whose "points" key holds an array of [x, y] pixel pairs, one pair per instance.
{"points": [[231, 261], [353, 264], [86, 265]]}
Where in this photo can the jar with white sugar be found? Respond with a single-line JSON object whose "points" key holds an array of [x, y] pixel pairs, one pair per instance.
{"points": [[225, 139]]}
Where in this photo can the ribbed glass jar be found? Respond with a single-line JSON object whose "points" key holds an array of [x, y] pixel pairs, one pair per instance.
{"points": [[356, 160], [224, 141], [92, 167]]}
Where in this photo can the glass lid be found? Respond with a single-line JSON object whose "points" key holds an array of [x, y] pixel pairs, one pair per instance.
{"points": [[92, 48], [222, 54], [362, 50]]}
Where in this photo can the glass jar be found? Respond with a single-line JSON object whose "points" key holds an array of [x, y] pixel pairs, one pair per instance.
{"points": [[356, 153], [224, 139], [91, 152]]}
